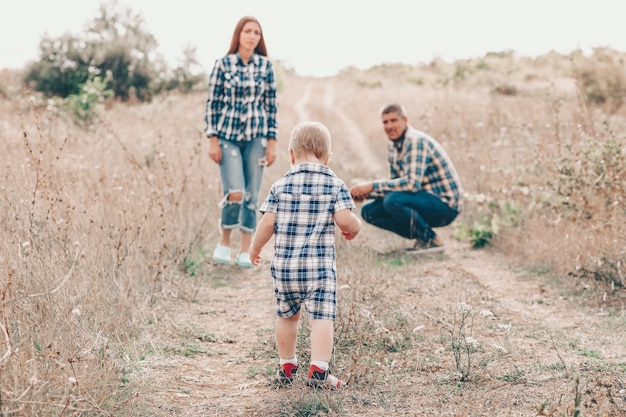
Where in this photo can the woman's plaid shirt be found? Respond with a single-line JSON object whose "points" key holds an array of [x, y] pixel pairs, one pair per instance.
{"points": [[421, 163], [304, 201], [242, 99]]}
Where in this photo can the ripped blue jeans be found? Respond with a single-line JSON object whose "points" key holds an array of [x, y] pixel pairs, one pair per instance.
{"points": [[241, 171]]}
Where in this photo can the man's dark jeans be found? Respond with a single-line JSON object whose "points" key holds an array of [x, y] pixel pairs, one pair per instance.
{"points": [[411, 215]]}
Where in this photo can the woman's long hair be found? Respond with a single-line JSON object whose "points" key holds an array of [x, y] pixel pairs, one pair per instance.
{"points": [[260, 49]]}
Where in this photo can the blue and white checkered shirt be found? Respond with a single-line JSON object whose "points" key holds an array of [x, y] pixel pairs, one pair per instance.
{"points": [[421, 163], [304, 201], [242, 99]]}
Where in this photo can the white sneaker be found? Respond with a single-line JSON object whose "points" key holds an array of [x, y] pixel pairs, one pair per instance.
{"points": [[221, 254], [243, 260]]}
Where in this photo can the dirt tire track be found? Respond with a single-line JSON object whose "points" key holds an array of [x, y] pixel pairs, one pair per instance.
{"points": [[302, 113], [352, 132], [317, 101]]}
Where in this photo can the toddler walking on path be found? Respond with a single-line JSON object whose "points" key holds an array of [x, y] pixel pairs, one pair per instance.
{"points": [[301, 211]]}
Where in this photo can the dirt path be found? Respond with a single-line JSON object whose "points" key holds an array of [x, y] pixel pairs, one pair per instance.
{"points": [[317, 101], [521, 319]]}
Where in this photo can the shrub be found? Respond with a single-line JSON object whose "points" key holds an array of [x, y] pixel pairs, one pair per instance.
{"points": [[590, 178], [115, 46], [487, 216], [602, 79], [506, 90], [478, 234], [589, 195], [87, 104], [62, 68]]}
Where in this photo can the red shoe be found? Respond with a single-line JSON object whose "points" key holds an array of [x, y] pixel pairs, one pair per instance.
{"points": [[323, 379], [286, 373]]}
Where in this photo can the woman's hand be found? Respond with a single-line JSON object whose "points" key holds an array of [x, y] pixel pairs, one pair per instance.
{"points": [[215, 150], [270, 152]]}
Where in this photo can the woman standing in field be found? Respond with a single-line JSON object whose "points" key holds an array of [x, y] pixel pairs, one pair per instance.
{"points": [[241, 125]]}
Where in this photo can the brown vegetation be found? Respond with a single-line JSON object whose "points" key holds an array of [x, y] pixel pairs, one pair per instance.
{"points": [[111, 305]]}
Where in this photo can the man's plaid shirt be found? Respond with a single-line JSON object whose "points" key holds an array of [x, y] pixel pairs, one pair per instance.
{"points": [[242, 99], [421, 163], [304, 201]]}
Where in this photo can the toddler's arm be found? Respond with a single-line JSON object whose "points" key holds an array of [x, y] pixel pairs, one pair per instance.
{"points": [[264, 231], [348, 222]]}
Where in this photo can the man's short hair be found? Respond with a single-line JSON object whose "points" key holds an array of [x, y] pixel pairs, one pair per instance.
{"points": [[393, 108]]}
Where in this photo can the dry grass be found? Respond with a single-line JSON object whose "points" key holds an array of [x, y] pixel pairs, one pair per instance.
{"points": [[96, 225], [110, 305]]}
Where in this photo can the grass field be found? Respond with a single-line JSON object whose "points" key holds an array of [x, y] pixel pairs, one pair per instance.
{"points": [[112, 306]]}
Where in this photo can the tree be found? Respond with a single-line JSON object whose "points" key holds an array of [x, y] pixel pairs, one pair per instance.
{"points": [[115, 46]]}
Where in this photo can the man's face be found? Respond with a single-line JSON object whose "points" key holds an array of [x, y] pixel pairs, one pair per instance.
{"points": [[394, 125]]}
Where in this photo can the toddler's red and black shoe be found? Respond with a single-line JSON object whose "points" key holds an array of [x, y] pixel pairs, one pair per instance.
{"points": [[286, 372], [319, 378]]}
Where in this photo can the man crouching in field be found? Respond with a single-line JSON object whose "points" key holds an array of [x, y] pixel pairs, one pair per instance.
{"points": [[424, 190]]}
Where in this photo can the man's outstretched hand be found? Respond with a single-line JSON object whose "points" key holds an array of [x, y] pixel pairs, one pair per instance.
{"points": [[361, 191]]}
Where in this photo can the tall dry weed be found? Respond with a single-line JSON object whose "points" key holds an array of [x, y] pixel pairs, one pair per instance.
{"points": [[545, 174], [95, 225]]}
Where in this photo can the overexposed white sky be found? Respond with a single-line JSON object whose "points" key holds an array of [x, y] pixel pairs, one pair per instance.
{"points": [[322, 37]]}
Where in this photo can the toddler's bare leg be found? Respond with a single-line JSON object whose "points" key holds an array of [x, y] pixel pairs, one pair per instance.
{"points": [[322, 335], [286, 334]]}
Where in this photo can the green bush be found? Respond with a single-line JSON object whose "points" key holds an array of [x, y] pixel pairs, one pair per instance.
{"points": [[62, 68], [478, 234], [486, 216], [115, 46], [88, 103]]}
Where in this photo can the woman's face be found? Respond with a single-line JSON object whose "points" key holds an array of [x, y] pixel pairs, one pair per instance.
{"points": [[250, 36]]}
